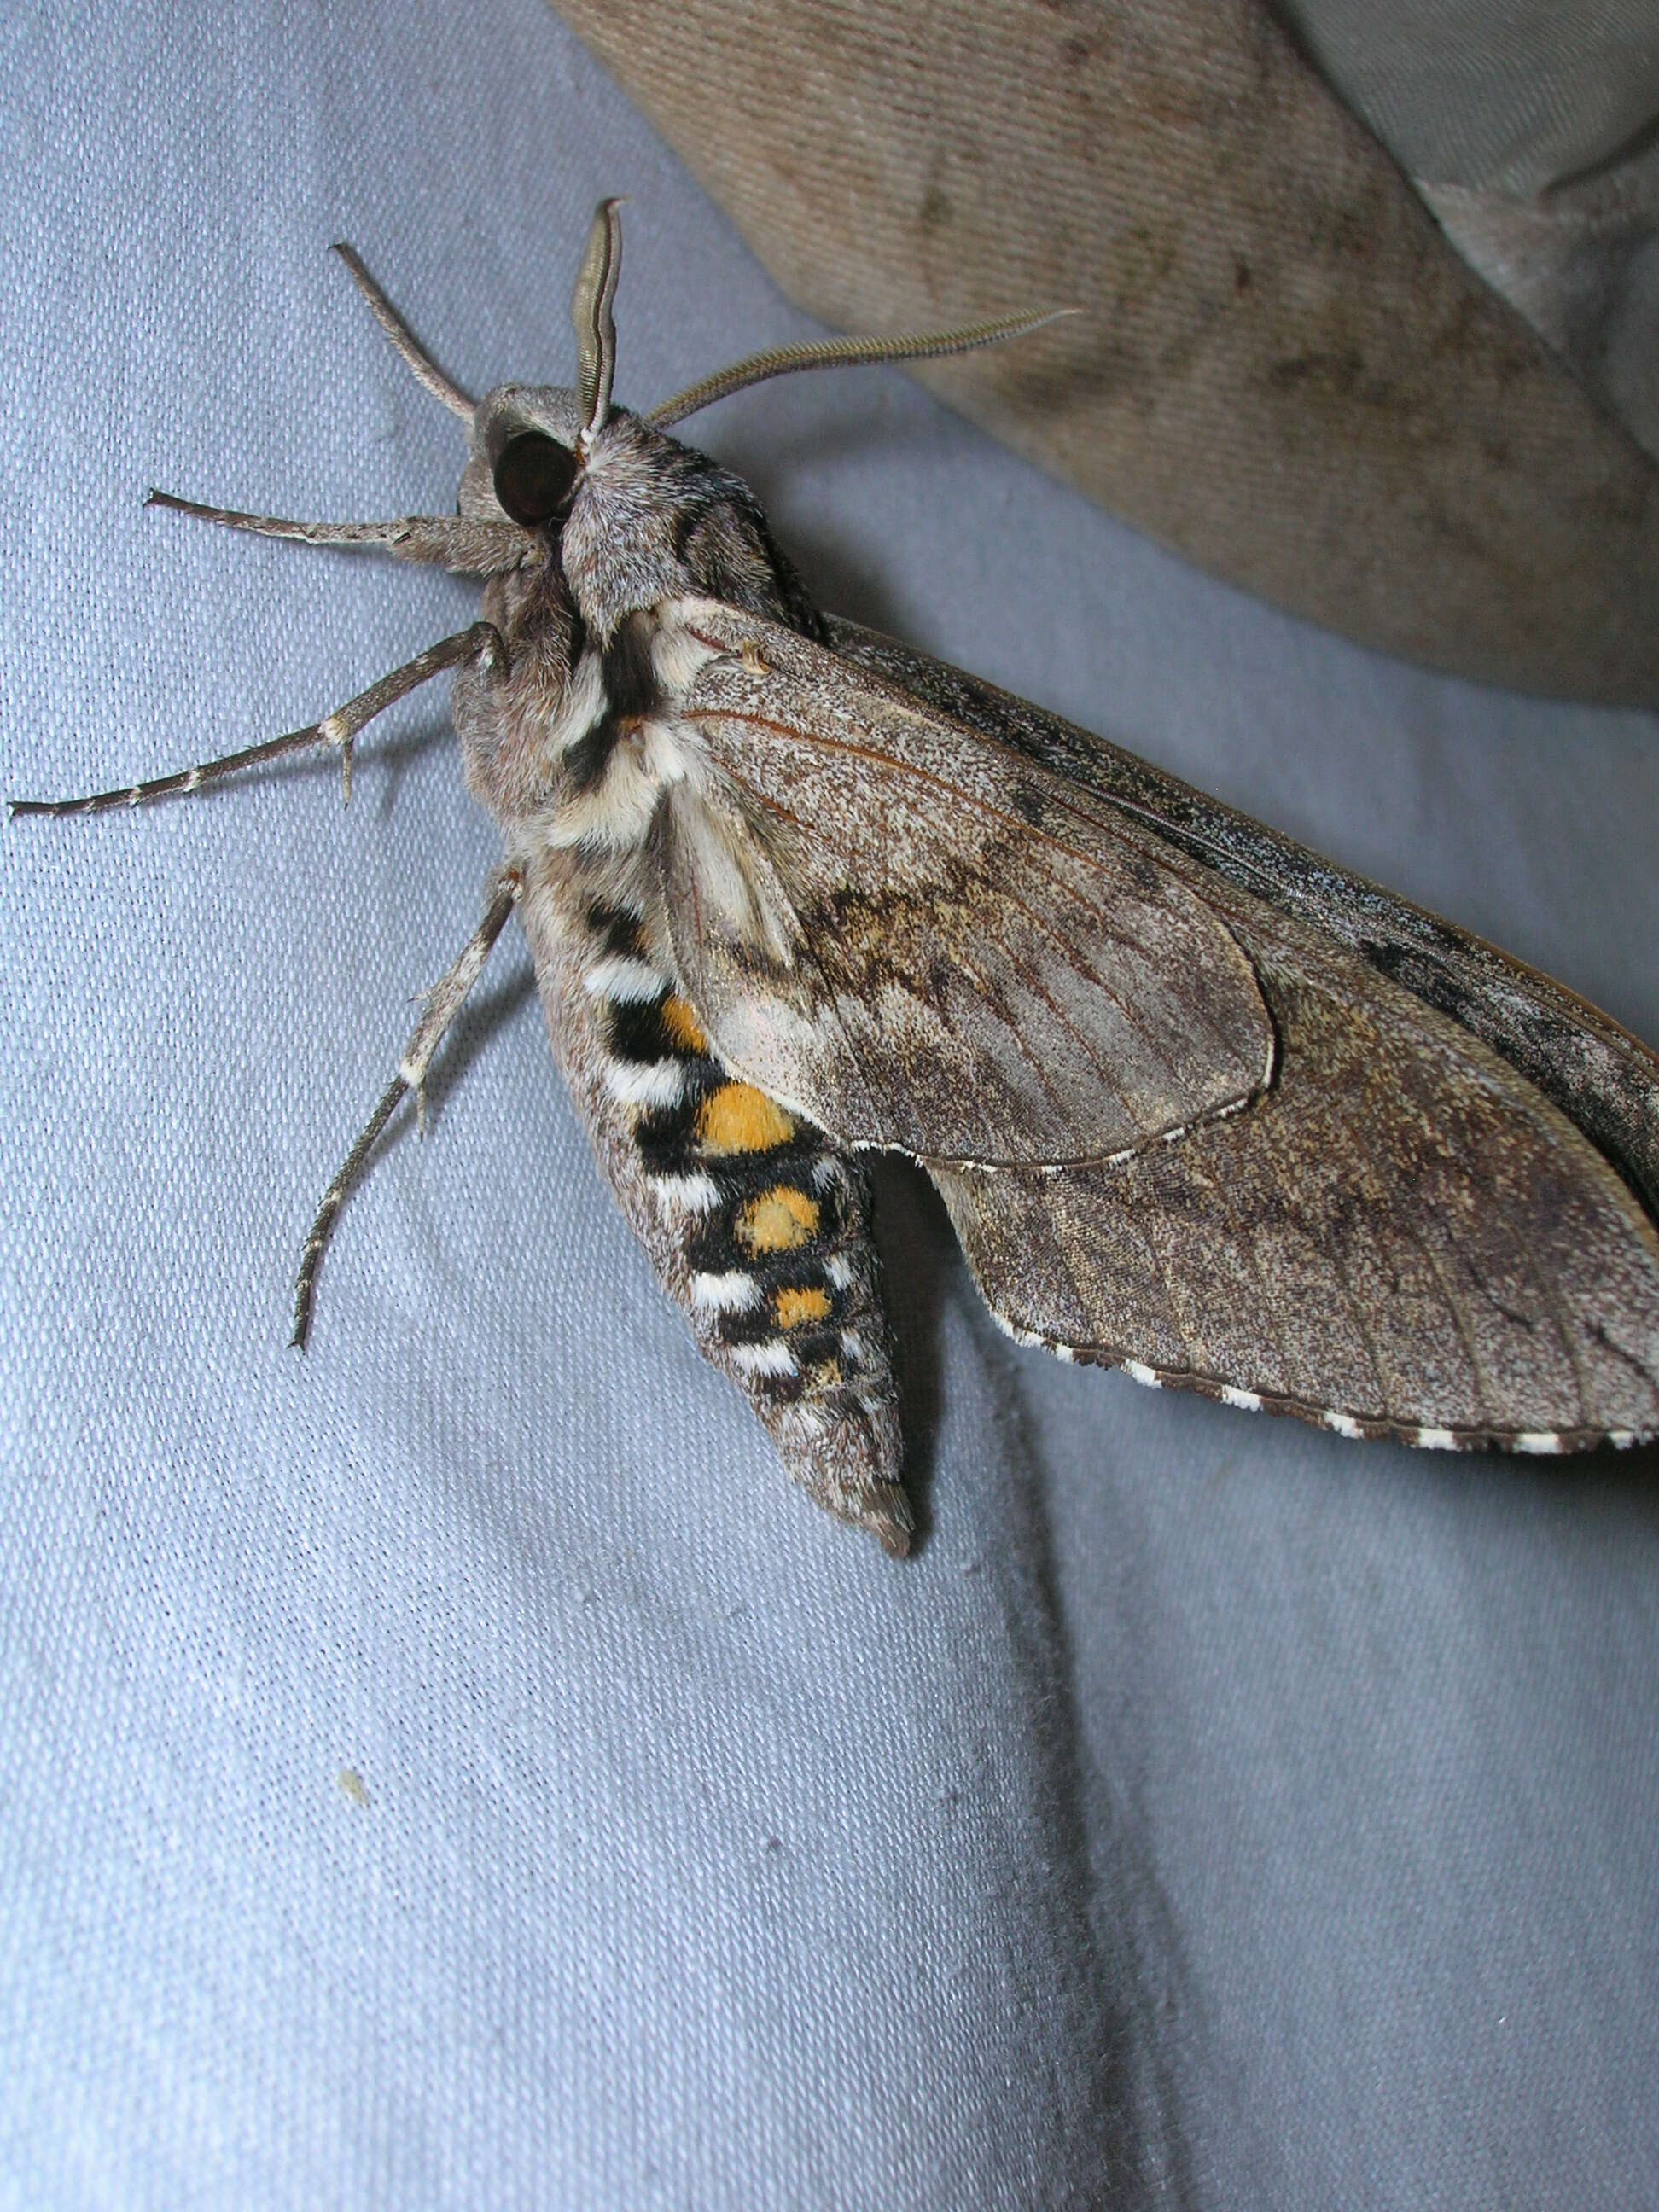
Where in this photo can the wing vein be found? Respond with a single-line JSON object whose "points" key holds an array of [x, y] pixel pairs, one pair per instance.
{"points": [[1482, 1382], [1030, 1059], [897, 764], [1105, 1067]]}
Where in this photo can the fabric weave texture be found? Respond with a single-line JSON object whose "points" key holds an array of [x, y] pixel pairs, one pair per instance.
{"points": [[454, 1768]]}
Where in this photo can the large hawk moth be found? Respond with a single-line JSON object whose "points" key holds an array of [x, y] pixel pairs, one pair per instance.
{"points": [[1200, 1104]]}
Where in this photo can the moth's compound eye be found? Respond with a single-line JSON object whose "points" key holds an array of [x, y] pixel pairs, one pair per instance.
{"points": [[533, 477]]}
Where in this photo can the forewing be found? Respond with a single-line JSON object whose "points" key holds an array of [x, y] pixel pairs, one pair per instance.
{"points": [[915, 938]]}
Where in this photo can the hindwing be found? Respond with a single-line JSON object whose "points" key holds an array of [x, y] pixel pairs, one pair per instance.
{"points": [[1402, 1236]]}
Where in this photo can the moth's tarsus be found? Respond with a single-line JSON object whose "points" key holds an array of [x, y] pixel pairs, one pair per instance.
{"points": [[848, 353], [335, 1197], [276, 525], [405, 343], [479, 641], [443, 1002], [466, 548]]}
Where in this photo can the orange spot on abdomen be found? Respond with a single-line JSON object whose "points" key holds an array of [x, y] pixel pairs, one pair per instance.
{"points": [[779, 1220], [796, 1308], [681, 1026], [738, 1118]]}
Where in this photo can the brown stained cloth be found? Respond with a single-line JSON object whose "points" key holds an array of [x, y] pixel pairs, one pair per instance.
{"points": [[1283, 371]]}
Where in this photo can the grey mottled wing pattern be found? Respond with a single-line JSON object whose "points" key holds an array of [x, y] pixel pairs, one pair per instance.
{"points": [[913, 940], [1406, 1231], [1402, 1236]]}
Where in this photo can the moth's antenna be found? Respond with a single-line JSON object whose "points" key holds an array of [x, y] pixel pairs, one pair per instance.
{"points": [[589, 311], [847, 352], [405, 343]]}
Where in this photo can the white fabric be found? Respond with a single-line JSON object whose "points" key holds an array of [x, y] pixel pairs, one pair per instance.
{"points": [[1516, 93], [455, 1768]]}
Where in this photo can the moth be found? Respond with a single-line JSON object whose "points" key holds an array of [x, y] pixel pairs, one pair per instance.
{"points": [[1200, 1104]]}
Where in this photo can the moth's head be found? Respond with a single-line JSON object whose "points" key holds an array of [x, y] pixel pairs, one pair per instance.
{"points": [[527, 456], [625, 517], [535, 448], [623, 514]]}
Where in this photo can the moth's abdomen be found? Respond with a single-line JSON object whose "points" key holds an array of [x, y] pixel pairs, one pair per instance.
{"points": [[759, 1228]]}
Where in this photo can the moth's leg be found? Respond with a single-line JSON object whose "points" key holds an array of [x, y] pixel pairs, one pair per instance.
{"points": [[403, 341], [482, 642], [443, 1002], [441, 541]]}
